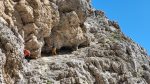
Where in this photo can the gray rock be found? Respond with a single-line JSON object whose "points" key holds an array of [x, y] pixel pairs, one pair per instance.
{"points": [[91, 49]]}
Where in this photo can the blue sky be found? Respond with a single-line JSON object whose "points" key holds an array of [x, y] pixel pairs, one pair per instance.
{"points": [[132, 15]]}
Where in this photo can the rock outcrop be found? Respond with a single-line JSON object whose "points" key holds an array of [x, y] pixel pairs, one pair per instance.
{"points": [[91, 48], [11, 55]]}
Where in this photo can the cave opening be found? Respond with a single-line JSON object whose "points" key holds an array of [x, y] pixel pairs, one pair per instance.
{"points": [[47, 51], [65, 50]]}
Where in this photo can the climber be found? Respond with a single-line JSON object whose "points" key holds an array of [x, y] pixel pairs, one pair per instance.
{"points": [[27, 55], [53, 50]]}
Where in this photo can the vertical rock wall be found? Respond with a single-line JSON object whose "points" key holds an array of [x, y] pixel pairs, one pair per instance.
{"points": [[108, 56], [11, 55], [44, 22]]}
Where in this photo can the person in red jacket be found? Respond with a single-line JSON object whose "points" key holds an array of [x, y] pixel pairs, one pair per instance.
{"points": [[27, 54]]}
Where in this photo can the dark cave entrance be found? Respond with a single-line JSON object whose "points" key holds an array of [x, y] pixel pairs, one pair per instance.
{"points": [[47, 51], [65, 50]]}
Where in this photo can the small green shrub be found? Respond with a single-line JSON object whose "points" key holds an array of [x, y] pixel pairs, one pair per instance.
{"points": [[49, 82]]}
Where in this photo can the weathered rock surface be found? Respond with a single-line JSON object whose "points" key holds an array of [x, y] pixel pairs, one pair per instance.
{"points": [[11, 56], [91, 48], [68, 33]]}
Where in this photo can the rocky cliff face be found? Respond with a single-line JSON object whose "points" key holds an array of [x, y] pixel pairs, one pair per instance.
{"points": [[91, 48]]}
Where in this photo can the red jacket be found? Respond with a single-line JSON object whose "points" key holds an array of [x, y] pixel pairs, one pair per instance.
{"points": [[26, 53]]}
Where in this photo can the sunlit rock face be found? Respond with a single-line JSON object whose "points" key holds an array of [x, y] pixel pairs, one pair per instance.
{"points": [[11, 55], [91, 49]]}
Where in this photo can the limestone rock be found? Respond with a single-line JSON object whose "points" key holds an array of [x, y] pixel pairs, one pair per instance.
{"points": [[30, 29], [2, 63], [91, 49], [26, 12], [81, 7], [11, 56], [68, 33], [33, 45], [146, 76]]}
